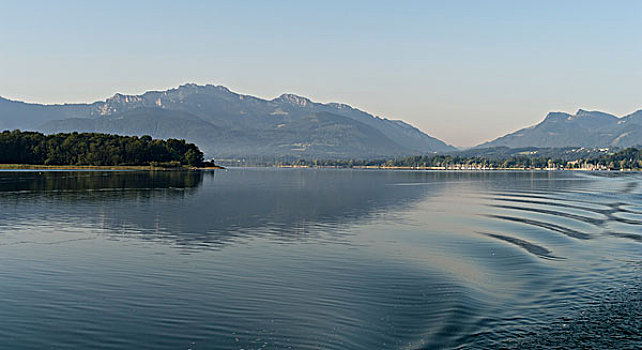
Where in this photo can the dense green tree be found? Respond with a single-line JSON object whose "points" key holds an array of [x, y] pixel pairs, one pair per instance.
{"points": [[18, 147]]}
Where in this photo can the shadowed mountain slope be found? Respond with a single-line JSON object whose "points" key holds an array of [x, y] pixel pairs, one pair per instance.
{"points": [[583, 129], [227, 124]]}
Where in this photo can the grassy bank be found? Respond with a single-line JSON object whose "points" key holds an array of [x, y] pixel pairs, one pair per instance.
{"points": [[94, 167]]}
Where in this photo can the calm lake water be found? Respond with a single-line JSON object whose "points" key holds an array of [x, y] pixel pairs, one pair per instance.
{"points": [[320, 259]]}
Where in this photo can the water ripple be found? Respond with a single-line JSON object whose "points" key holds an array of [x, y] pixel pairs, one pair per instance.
{"points": [[532, 248], [572, 233], [316, 259]]}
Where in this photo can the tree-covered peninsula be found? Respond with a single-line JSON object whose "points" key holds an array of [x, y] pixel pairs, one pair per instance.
{"points": [[94, 149]]}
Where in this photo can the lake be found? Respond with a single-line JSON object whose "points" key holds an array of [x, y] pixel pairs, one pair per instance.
{"points": [[320, 259]]}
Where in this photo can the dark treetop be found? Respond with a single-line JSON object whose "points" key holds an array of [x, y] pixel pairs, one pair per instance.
{"points": [[18, 147]]}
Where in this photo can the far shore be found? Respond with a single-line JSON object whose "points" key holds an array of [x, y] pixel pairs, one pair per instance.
{"points": [[454, 168], [157, 168], [95, 167]]}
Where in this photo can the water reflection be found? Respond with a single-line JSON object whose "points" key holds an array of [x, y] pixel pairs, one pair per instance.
{"points": [[372, 260], [204, 210], [80, 184], [177, 208]]}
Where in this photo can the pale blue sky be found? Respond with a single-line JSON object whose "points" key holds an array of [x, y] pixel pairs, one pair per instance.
{"points": [[463, 71]]}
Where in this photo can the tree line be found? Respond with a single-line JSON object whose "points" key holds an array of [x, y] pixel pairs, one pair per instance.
{"points": [[630, 158], [18, 147]]}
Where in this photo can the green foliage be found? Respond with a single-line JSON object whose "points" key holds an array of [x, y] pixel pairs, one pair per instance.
{"points": [[18, 147], [630, 158]]}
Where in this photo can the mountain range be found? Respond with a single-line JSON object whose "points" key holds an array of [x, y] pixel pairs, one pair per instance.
{"points": [[226, 124], [583, 129]]}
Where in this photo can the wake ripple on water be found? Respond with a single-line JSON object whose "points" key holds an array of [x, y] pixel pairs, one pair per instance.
{"points": [[532, 248], [603, 307], [572, 233], [323, 260]]}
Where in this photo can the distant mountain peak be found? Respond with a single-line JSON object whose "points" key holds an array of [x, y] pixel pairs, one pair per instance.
{"points": [[230, 124], [197, 87], [584, 113], [121, 98], [293, 99], [190, 85], [582, 129], [551, 116], [580, 114]]}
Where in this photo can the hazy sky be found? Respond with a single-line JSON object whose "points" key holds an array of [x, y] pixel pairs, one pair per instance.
{"points": [[463, 71]]}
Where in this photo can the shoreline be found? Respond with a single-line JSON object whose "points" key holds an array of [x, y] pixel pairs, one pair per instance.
{"points": [[99, 167], [375, 167], [156, 168]]}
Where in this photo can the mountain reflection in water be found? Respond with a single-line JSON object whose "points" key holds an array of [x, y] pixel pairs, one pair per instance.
{"points": [[319, 259]]}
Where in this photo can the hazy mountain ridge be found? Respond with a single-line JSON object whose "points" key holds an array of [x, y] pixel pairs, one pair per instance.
{"points": [[582, 129], [227, 124], [17, 114]]}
